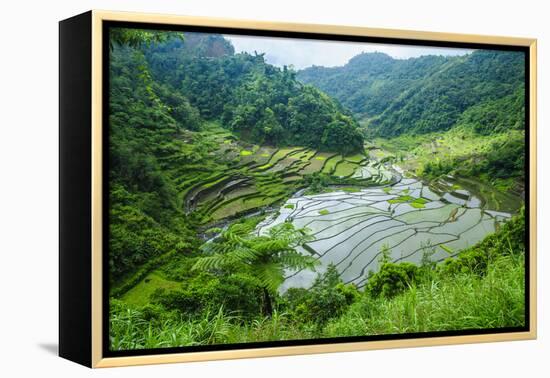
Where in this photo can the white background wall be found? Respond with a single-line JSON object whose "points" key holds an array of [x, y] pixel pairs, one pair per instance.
{"points": [[28, 188]]}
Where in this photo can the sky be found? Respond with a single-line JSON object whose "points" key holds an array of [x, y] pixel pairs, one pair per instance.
{"points": [[302, 53]]}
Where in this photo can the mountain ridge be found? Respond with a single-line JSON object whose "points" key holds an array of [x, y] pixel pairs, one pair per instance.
{"points": [[418, 95]]}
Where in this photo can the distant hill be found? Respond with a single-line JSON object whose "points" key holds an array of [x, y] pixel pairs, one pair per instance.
{"points": [[483, 90]]}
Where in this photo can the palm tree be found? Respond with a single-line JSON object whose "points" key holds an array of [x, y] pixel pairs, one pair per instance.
{"points": [[265, 257]]}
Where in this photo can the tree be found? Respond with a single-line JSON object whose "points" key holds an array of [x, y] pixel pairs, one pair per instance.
{"points": [[137, 37], [342, 135], [326, 299], [266, 257]]}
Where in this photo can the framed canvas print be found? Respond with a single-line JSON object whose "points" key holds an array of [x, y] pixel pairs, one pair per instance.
{"points": [[235, 189]]}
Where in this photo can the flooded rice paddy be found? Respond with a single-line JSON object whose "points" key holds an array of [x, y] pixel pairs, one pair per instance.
{"points": [[411, 220]]}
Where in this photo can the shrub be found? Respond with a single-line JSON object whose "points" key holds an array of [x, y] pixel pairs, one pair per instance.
{"points": [[328, 298], [392, 279], [206, 292]]}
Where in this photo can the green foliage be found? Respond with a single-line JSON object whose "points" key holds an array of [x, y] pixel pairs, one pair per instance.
{"points": [[417, 203], [152, 327], [139, 37], [496, 116], [429, 93], [136, 238], [145, 212], [326, 299], [263, 257], [262, 103], [438, 167], [443, 303], [370, 81], [316, 182], [154, 102], [502, 158], [458, 302], [206, 292], [467, 292], [171, 162], [123, 283], [392, 279]]}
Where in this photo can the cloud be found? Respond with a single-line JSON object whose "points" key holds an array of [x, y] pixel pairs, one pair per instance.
{"points": [[302, 53]]}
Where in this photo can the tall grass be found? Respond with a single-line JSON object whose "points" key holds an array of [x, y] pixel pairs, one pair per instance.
{"points": [[452, 302], [442, 302], [130, 330]]}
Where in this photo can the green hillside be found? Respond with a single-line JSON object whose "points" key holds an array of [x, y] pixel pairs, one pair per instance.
{"points": [[429, 93], [187, 118], [260, 102]]}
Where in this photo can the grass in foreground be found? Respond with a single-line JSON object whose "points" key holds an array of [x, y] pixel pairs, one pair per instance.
{"points": [[481, 288], [463, 301], [444, 302]]}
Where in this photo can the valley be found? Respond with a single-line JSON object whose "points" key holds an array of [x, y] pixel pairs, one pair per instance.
{"points": [[250, 203]]}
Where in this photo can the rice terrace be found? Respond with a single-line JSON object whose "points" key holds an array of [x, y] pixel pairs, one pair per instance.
{"points": [[253, 201]]}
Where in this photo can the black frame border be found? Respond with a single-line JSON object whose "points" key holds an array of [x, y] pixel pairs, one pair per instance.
{"points": [[75, 195], [106, 25]]}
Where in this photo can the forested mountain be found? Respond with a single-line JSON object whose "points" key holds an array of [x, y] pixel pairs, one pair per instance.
{"points": [[163, 98], [145, 211], [262, 103], [429, 93], [369, 82]]}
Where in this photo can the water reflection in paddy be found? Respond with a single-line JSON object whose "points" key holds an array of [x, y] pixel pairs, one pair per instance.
{"points": [[409, 218]]}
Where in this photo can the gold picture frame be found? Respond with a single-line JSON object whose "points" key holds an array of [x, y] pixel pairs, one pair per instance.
{"points": [[90, 268]]}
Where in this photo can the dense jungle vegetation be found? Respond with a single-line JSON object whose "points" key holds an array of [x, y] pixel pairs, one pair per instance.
{"points": [[481, 94], [205, 142], [429, 93]]}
